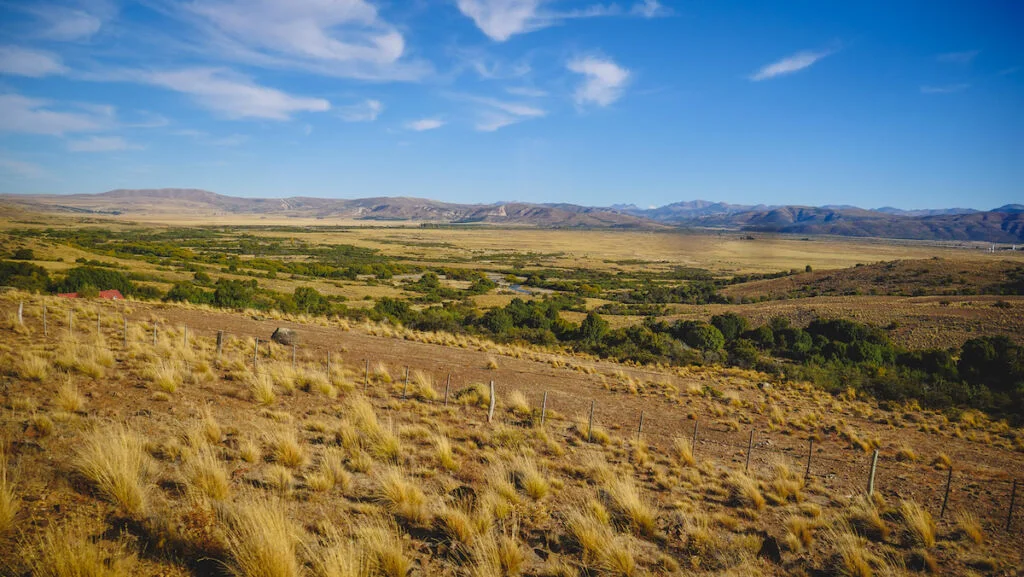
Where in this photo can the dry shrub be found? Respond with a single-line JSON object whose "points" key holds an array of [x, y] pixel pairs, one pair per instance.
{"points": [[279, 478], [401, 496], [287, 449], [9, 501], [785, 484], [380, 373], [919, 523], [422, 387], [477, 394], [382, 540], [528, 477], [249, 451], [589, 531], [799, 533], [41, 424], [64, 552], [863, 516], [518, 404], [906, 454], [630, 507], [492, 364], [852, 556], [682, 450], [499, 555], [744, 490], [166, 376], [261, 387], [208, 475], [942, 462], [114, 460], [68, 398], [262, 540], [970, 526], [445, 455], [33, 367]]}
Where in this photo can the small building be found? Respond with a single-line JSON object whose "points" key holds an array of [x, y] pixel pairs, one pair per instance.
{"points": [[112, 294]]}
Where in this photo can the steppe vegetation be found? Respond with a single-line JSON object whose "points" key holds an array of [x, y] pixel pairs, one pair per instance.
{"points": [[296, 470]]}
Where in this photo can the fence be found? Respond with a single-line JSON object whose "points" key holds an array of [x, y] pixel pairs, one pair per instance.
{"points": [[854, 472]]}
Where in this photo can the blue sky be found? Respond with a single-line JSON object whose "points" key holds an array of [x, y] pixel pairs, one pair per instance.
{"points": [[906, 104]]}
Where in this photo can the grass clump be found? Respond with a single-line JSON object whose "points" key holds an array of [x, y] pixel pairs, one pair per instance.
{"points": [[33, 367], [445, 455], [744, 490], [207, 474], [682, 450], [631, 507], [10, 504], [68, 398], [261, 387], [919, 523], [401, 496], [287, 450], [382, 540], [63, 552], [262, 541], [114, 460], [970, 526]]}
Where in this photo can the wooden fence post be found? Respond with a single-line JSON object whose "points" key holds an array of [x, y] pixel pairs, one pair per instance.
{"points": [[810, 449], [255, 351], [490, 409], [447, 385], [750, 448], [21, 312], [590, 425], [184, 336], [693, 445], [945, 497], [46, 331], [220, 343], [405, 389], [98, 327], [294, 349], [154, 333], [640, 427], [71, 322], [544, 409], [366, 374], [871, 476], [328, 364], [1013, 501]]}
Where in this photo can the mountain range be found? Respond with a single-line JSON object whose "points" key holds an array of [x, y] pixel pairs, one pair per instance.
{"points": [[1004, 224]]}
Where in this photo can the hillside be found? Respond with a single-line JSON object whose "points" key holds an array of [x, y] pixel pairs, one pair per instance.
{"points": [[205, 203], [177, 458]]}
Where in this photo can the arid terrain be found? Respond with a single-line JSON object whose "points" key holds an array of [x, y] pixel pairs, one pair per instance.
{"points": [[172, 459]]}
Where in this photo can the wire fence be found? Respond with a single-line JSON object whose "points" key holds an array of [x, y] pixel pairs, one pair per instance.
{"points": [[852, 471]]}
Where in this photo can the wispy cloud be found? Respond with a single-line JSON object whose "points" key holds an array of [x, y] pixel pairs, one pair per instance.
{"points": [[18, 61], [604, 80], [345, 38], [21, 168], [231, 95], [69, 23], [210, 140], [26, 115], [790, 64], [494, 113], [425, 124], [502, 19], [102, 144], [964, 57], [944, 88], [365, 111]]}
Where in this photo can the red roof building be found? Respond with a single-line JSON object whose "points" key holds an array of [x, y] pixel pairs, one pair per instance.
{"points": [[112, 294]]}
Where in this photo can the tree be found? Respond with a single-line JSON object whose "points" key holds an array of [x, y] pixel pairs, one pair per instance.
{"points": [[703, 336], [310, 301], [593, 329], [24, 254], [498, 321], [731, 325]]}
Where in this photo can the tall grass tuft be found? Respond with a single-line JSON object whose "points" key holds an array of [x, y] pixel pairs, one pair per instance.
{"points": [[114, 460], [262, 541]]}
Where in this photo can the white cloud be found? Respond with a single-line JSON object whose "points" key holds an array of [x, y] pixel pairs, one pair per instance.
{"points": [[790, 64], [604, 80], [964, 57], [18, 61], [331, 37], [502, 19], [102, 144], [365, 111], [20, 168], [234, 96], [34, 116], [944, 89], [73, 21], [424, 124]]}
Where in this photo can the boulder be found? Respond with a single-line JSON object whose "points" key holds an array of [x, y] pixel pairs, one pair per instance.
{"points": [[285, 336]]}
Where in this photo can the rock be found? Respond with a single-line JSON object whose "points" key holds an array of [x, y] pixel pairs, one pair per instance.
{"points": [[764, 386], [285, 336], [770, 549]]}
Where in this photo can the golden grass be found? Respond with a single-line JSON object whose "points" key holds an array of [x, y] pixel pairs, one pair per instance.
{"points": [[279, 478], [287, 449], [919, 523], [799, 533], [249, 451], [970, 526], [68, 398], [114, 460], [863, 515], [262, 540], [208, 428], [261, 387], [64, 552], [41, 424], [33, 367], [497, 556], [631, 507], [682, 451], [529, 478], [744, 490], [10, 504], [384, 545], [207, 475], [588, 528], [518, 403], [445, 455], [166, 376], [401, 496], [853, 558]]}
